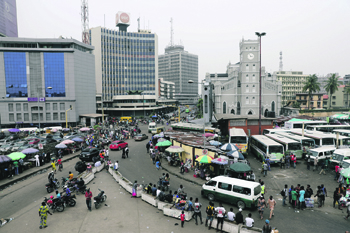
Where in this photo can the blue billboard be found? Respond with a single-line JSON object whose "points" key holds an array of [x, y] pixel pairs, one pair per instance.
{"points": [[8, 18]]}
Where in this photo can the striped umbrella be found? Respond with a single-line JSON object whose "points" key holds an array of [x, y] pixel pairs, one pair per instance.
{"points": [[204, 159], [229, 147]]}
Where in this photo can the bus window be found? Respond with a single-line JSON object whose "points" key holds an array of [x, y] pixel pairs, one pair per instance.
{"points": [[327, 141], [276, 149], [308, 143], [238, 139], [317, 141], [294, 146], [265, 131]]}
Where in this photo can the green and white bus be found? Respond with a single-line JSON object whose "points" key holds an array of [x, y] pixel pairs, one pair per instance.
{"points": [[263, 147], [273, 131], [306, 143], [326, 128], [319, 138], [289, 145], [342, 132]]}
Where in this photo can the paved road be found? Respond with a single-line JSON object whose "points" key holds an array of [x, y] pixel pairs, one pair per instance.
{"points": [[24, 196]]}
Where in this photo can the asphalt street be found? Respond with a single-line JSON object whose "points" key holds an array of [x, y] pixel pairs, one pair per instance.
{"points": [[28, 193]]}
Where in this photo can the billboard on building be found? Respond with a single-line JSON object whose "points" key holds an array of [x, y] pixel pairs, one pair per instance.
{"points": [[8, 18], [122, 18]]}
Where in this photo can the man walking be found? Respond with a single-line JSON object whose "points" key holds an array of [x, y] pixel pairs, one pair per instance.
{"points": [[37, 160], [43, 210], [323, 168], [315, 164], [220, 214], [197, 211], [210, 215], [265, 169], [88, 196], [284, 194]]}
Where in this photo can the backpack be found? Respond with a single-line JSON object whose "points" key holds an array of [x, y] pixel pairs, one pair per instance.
{"points": [[268, 230], [210, 210], [161, 196], [283, 193]]}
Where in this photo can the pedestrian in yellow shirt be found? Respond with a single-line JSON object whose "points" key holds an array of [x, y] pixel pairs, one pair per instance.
{"points": [[53, 164], [43, 210]]}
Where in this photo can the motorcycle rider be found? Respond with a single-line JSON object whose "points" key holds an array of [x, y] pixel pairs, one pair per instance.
{"points": [[70, 176], [58, 195], [80, 184], [180, 190], [66, 189]]}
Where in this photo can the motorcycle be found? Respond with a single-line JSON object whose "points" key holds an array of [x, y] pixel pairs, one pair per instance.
{"points": [[55, 204], [161, 185], [50, 187], [76, 188], [69, 200], [175, 161], [101, 197], [187, 165], [69, 183]]}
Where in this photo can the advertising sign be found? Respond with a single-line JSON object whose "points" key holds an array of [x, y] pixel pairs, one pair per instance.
{"points": [[35, 99], [8, 18], [122, 18], [41, 146]]}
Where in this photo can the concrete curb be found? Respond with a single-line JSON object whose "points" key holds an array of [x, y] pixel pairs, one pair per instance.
{"points": [[181, 177], [16, 179]]}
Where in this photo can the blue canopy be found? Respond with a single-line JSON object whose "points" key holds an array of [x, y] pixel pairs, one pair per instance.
{"points": [[229, 147], [154, 116]]}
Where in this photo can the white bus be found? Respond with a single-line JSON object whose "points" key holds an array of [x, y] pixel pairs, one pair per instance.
{"points": [[263, 147], [299, 124], [326, 128], [307, 143], [239, 138], [339, 155], [319, 138], [289, 145], [273, 131], [342, 132]]}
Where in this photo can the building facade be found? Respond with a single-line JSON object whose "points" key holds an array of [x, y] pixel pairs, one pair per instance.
{"points": [[45, 77], [166, 89], [124, 61], [8, 18], [237, 91], [178, 66], [292, 83], [339, 99], [315, 103]]}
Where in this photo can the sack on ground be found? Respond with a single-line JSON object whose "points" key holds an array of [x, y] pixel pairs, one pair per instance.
{"points": [[309, 202]]}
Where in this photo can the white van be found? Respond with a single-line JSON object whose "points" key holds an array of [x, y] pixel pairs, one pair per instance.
{"points": [[151, 126], [339, 155], [321, 152], [234, 191]]}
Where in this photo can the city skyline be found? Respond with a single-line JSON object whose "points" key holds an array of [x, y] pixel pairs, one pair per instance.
{"points": [[312, 41]]}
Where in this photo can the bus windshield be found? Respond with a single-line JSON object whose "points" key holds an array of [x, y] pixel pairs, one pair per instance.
{"points": [[308, 142], [275, 149], [294, 146], [327, 141], [239, 139]]}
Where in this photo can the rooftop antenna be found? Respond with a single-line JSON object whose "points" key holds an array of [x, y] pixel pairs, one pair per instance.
{"points": [[138, 24], [281, 63], [171, 33], [85, 21]]}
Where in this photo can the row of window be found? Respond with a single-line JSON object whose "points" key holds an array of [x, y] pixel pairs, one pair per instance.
{"points": [[19, 118], [19, 107]]}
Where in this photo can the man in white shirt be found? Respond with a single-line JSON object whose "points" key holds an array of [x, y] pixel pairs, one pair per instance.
{"points": [[220, 215], [230, 215], [37, 160], [249, 222], [158, 191]]}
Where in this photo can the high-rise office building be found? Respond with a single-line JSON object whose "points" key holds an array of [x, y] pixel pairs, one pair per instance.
{"points": [[124, 61], [179, 66], [45, 77], [8, 18]]}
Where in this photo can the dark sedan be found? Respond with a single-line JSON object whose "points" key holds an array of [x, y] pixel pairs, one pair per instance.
{"points": [[88, 153]]}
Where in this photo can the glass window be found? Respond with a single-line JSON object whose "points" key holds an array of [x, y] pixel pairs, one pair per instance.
{"points": [[15, 74], [19, 117], [54, 106], [211, 183], [224, 108], [62, 106], [11, 117], [10, 107], [35, 117], [237, 189], [47, 106], [257, 190], [26, 116], [62, 116], [225, 186], [48, 116], [55, 116], [18, 107], [25, 107], [54, 75]]}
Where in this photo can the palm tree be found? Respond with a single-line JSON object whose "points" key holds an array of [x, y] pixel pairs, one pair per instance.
{"points": [[311, 85], [332, 86]]}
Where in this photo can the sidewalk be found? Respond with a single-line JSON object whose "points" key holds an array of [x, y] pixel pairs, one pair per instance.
{"points": [[9, 181]]}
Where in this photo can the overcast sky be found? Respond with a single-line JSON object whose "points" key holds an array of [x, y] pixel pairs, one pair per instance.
{"points": [[312, 34]]}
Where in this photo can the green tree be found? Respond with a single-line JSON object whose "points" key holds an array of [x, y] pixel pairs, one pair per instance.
{"points": [[311, 86], [200, 108], [296, 104], [332, 86], [347, 91]]}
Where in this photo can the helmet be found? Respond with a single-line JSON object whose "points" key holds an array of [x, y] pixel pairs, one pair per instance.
{"points": [[51, 197], [65, 187], [267, 221]]}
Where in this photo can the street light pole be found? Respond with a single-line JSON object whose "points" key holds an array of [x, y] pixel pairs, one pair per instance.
{"points": [[260, 35]]}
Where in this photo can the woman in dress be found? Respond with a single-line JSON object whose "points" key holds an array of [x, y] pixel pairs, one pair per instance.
{"points": [[261, 206], [272, 203]]}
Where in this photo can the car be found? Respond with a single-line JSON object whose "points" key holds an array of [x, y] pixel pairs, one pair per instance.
{"points": [[140, 137], [17, 145], [46, 135], [5, 148], [33, 141], [118, 145], [104, 141], [57, 138], [19, 149], [88, 153], [69, 135]]}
